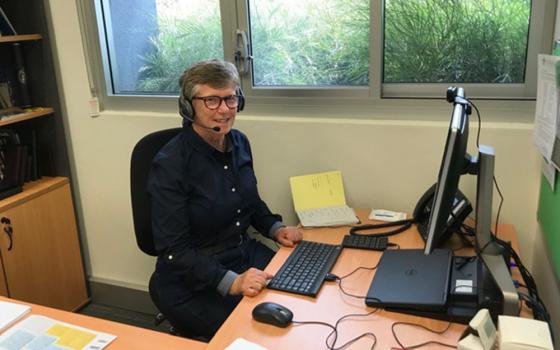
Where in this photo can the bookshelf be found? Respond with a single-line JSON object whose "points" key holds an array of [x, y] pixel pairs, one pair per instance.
{"points": [[16, 118], [40, 251], [19, 38]]}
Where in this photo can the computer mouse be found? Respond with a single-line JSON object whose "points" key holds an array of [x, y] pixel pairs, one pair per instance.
{"points": [[272, 313]]}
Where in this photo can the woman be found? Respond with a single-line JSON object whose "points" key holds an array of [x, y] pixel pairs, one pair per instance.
{"points": [[204, 197]]}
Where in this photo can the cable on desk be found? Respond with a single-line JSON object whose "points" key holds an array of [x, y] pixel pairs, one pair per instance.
{"points": [[332, 345], [403, 226], [402, 347], [339, 280]]}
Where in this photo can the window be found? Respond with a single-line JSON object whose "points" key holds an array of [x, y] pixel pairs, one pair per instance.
{"points": [[151, 42], [310, 42], [363, 49], [471, 41]]}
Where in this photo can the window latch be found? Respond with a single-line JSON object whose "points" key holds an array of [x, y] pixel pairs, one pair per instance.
{"points": [[241, 52]]}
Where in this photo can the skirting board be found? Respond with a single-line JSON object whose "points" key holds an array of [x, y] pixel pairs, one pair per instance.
{"points": [[122, 297]]}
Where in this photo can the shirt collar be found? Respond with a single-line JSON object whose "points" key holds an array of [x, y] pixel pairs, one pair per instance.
{"points": [[204, 147]]}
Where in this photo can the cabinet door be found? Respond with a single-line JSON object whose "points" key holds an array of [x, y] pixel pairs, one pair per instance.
{"points": [[3, 287], [44, 265]]}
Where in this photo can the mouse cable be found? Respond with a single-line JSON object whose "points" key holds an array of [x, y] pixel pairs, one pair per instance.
{"points": [[332, 345], [402, 347], [358, 337]]}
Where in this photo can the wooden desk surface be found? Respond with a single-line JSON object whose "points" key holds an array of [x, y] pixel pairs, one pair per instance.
{"points": [[331, 304], [128, 337]]}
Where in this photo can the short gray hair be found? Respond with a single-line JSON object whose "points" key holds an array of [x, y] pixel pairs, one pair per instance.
{"points": [[214, 73]]}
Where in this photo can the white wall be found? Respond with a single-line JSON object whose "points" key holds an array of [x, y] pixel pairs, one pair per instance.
{"points": [[387, 160]]}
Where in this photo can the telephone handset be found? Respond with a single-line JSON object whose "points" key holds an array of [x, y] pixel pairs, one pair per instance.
{"points": [[461, 210], [421, 216]]}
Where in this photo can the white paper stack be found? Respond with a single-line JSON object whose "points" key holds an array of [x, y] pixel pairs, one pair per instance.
{"points": [[10, 313]]}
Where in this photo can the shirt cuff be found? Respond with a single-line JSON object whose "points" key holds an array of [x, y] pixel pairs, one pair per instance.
{"points": [[226, 282], [275, 227]]}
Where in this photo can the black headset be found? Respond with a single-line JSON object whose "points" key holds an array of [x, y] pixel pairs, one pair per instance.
{"points": [[186, 109]]}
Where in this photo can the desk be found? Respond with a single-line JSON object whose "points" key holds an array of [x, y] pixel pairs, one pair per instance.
{"points": [[128, 337], [331, 304]]}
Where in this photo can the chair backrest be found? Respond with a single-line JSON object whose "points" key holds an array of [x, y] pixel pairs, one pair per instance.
{"points": [[140, 164]]}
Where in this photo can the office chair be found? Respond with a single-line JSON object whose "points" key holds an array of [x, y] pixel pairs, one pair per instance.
{"points": [[140, 163]]}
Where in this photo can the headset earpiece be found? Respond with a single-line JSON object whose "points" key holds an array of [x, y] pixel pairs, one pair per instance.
{"points": [[185, 108], [241, 101]]}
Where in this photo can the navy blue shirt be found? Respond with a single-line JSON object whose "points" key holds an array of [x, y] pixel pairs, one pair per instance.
{"points": [[201, 198]]}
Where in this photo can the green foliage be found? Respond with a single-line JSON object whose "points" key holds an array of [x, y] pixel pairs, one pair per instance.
{"points": [[467, 41], [317, 43], [326, 43], [179, 43]]}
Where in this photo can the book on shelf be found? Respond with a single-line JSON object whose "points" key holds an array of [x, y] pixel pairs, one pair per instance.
{"points": [[18, 160], [6, 92], [6, 27], [319, 200], [29, 139]]}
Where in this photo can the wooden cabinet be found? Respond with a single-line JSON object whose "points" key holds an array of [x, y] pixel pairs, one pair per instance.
{"points": [[40, 256], [39, 247]]}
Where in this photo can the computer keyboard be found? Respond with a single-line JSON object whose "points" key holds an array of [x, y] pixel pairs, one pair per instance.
{"points": [[365, 242], [305, 269]]}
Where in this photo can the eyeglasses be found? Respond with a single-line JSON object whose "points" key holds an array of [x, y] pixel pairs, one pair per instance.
{"points": [[214, 102]]}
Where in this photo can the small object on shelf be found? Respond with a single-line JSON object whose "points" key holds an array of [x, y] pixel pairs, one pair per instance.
{"points": [[8, 112], [24, 99]]}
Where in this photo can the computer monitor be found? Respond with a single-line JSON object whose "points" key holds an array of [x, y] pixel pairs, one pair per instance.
{"points": [[494, 285], [454, 164], [432, 282]]}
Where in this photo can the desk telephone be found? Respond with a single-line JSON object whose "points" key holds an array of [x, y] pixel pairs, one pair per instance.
{"points": [[421, 217]]}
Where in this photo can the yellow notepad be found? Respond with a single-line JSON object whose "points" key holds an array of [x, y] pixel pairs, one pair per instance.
{"points": [[319, 200]]}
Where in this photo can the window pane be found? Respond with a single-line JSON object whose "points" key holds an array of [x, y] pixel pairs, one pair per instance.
{"points": [[310, 42], [151, 42], [468, 41]]}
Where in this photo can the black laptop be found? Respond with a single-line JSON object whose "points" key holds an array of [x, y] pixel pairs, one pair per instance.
{"points": [[410, 280]]}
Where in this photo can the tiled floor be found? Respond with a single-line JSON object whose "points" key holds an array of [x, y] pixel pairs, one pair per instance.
{"points": [[124, 316]]}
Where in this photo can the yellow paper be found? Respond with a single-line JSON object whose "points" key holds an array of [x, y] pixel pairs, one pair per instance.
{"points": [[70, 337], [319, 190]]}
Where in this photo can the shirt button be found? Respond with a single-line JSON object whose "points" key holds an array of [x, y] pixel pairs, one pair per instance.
{"points": [[233, 189], [225, 167], [170, 257], [237, 223], [238, 211]]}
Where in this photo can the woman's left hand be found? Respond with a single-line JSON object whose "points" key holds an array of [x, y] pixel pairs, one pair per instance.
{"points": [[288, 236]]}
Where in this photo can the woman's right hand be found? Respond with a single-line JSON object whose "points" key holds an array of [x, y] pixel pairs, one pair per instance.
{"points": [[250, 282]]}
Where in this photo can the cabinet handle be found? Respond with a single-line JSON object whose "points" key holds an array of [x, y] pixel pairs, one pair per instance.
{"points": [[8, 230]]}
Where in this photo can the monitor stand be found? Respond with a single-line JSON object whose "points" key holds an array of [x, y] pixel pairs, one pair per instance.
{"points": [[490, 252]]}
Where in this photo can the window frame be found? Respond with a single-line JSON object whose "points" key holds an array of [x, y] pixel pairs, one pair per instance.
{"points": [[235, 14]]}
